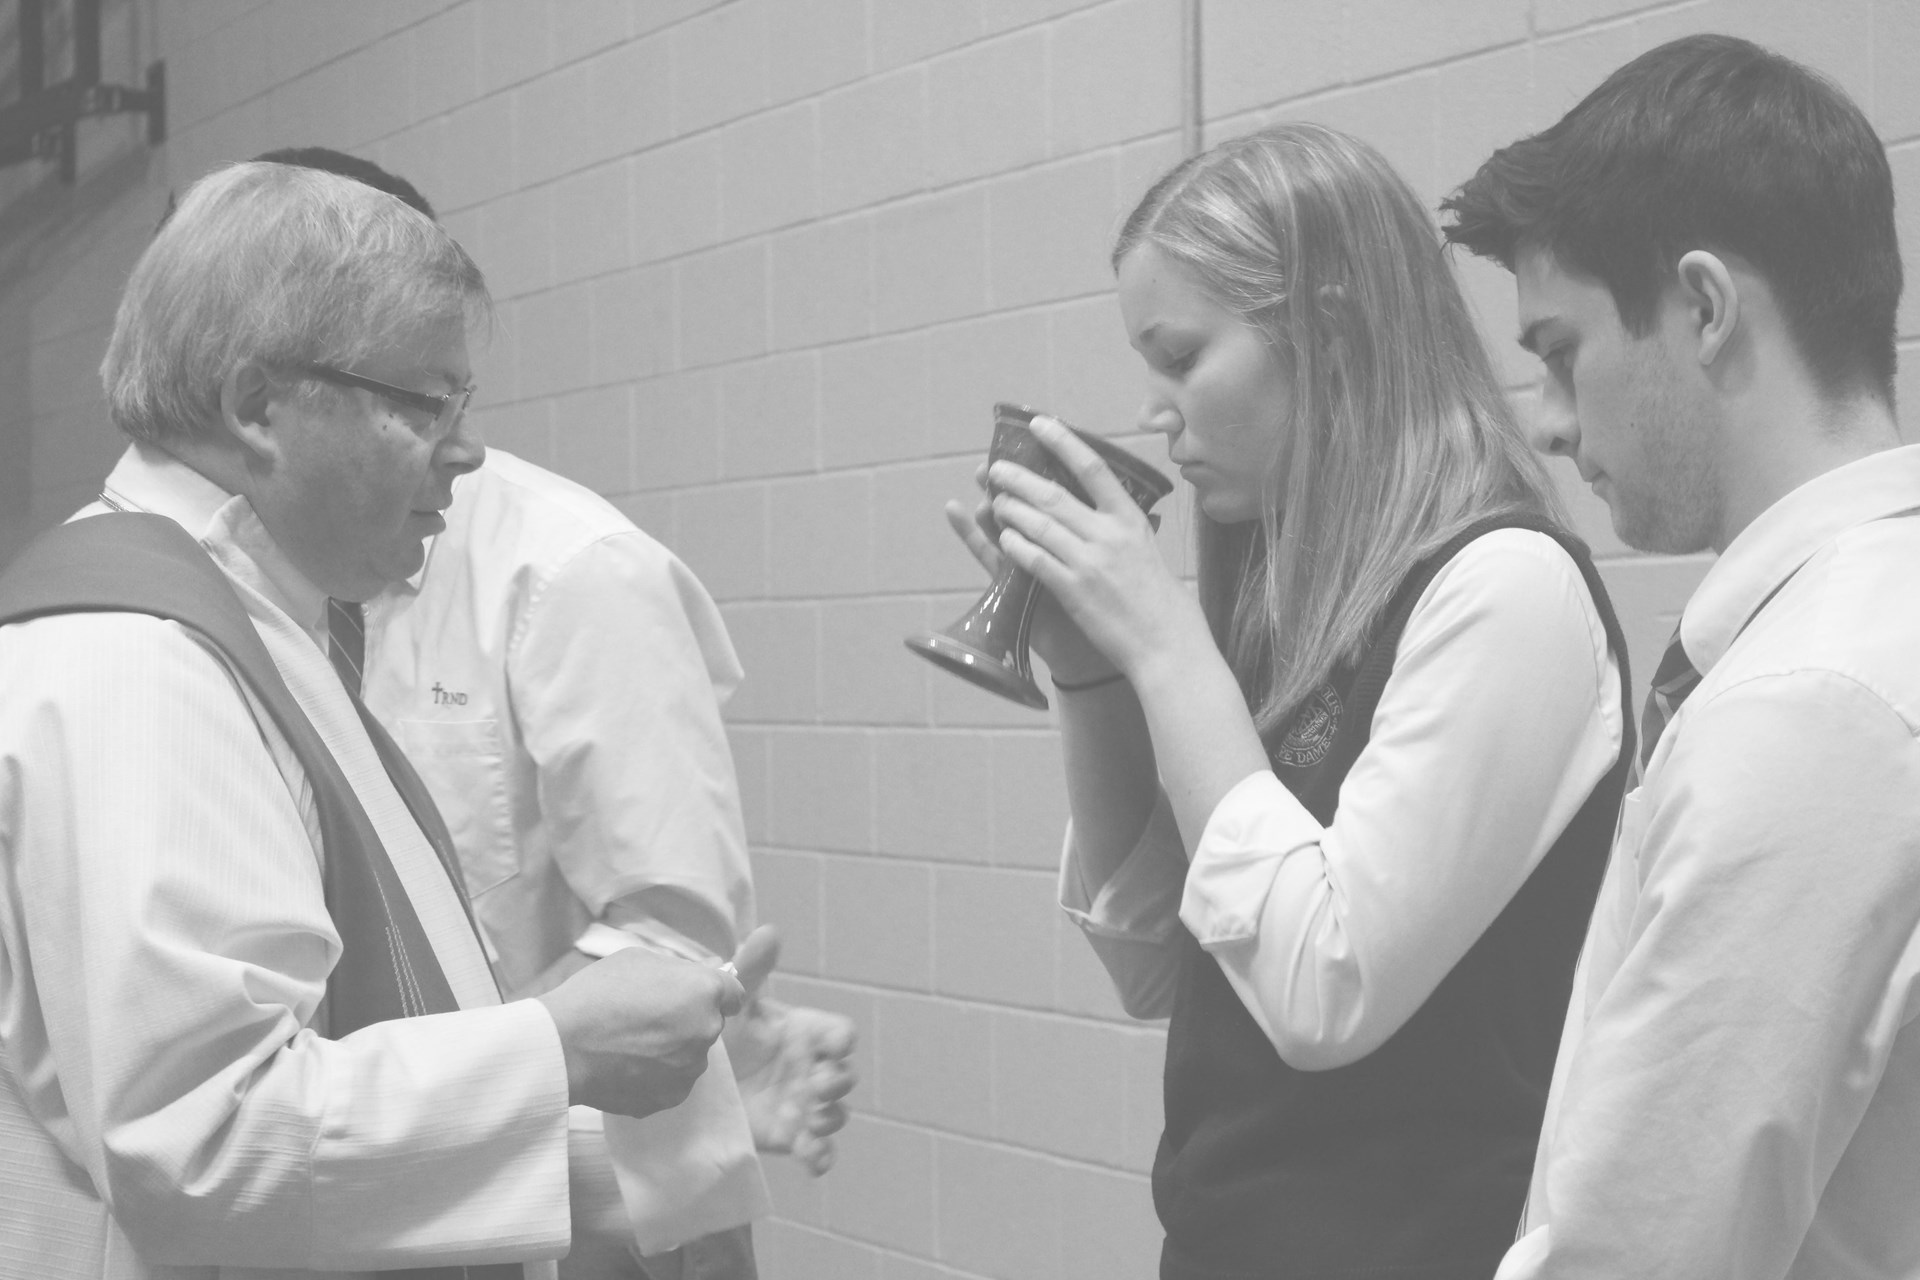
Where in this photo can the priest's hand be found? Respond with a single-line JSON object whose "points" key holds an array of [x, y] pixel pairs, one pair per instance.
{"points": [[636, 1028]]}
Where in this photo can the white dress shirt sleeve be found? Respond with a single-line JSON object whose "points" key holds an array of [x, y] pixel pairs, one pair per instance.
{"points": [[1130, 919], [1768, 962], [1502, 713], [167, 944], [616, 676]]}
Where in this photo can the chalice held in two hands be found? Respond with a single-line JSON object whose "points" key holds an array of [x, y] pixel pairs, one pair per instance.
{"points": [[988, 644]]}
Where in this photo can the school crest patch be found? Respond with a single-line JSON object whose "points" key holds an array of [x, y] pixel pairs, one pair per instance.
{"points": [[1311, 734]]}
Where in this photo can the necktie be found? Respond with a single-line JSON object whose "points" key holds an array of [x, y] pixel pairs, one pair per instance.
{"points": [[347, 642], [1673, 680]]}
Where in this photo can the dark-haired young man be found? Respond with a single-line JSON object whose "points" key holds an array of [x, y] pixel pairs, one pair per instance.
{"points": [[1705, 256]]}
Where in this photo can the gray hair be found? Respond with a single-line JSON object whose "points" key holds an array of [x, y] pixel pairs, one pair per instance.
{"points": [[279, 265]]}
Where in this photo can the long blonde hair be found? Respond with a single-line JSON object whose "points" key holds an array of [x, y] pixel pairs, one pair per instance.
{"points": [[1399, 434]]}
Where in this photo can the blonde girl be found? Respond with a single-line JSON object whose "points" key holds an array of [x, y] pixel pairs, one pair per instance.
{"points": [[1343, 815]]}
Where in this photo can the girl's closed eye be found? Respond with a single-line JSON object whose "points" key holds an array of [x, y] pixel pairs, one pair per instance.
{"points": [[1176, 365]]}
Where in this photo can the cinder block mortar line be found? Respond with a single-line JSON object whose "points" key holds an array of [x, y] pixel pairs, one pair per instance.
{"points": [[1251, 116], [1071, 1163], [879, 206], [1600, 23], [1122, 1023], [1652, 8], [999, 1144], [885, 1250], [678, 139], [160, 48], [1012, 1148], [963, 731], [886, 726], [870, 470]]}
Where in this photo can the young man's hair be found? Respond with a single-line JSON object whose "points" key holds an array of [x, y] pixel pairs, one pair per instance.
{"points": [[1710, 142], [327, 160]]}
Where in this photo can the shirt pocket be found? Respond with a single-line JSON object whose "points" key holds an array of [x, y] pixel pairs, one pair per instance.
{"points": [[464, 765]]}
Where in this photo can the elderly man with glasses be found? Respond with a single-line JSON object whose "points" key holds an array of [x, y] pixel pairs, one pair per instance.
{"points": [[245, 1016]]}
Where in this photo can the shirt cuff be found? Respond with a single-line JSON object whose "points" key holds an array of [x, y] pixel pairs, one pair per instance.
{"points": [[1140, 901], [1251, 831], [602, 940]]}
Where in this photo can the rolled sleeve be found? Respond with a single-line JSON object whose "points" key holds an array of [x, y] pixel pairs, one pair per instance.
{"points": [[616, 679], [1254, 828], [1333, 936], [1130, 920], [1140, 901]]}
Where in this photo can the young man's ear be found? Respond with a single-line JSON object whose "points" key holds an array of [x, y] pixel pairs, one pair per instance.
{"points": [[1712, 299], [248, 402]]}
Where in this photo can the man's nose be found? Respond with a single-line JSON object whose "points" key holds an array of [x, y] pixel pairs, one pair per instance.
{"points": [[1554, 428], [463, 450]]}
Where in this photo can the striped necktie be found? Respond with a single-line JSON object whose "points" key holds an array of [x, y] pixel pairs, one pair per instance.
{"points": [[347, 642], [1673, 680]]}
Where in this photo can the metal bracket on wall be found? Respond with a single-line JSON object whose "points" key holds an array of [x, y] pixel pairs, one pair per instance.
{"points": [[42, 124]]}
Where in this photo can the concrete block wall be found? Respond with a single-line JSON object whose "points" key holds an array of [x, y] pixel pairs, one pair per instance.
{"points": [[762, 267]]}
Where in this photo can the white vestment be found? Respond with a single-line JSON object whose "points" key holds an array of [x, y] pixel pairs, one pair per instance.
{"points": [[167, 1108]]}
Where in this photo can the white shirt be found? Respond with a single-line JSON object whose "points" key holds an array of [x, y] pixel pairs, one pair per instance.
{"points": [[1737, 1092], [1501, 715], [165, 946], [556, 677]]}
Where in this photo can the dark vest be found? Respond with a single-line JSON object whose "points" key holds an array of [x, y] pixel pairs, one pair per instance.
{"points": [[1413, 1162]]}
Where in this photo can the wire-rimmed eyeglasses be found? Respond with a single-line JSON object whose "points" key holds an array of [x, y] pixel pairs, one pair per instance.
{"points": [[446, 409]]}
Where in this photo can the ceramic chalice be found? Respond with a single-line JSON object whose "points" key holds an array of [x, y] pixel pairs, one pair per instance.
{"points": [[988, 644]]}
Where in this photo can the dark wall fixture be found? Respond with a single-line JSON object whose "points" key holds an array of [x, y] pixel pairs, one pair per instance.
{"points": [[39, 121]]}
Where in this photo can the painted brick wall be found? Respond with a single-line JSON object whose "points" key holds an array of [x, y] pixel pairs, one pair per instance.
{"points": [[762, 267]]}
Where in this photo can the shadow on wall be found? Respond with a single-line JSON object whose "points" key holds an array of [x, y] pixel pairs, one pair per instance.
{"points": [[47, 233]]}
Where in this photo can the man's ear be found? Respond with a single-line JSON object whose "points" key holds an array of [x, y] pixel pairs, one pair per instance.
{"points": [[248, 403], [1712, 300]]}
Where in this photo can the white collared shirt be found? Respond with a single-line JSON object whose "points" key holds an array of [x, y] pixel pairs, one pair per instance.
{"points": [[556, 676], [1737, 1092], [1501, 715], [164, 948]]}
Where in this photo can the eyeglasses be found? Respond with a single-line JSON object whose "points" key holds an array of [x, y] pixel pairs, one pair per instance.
{"points": [[446, 409]]}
